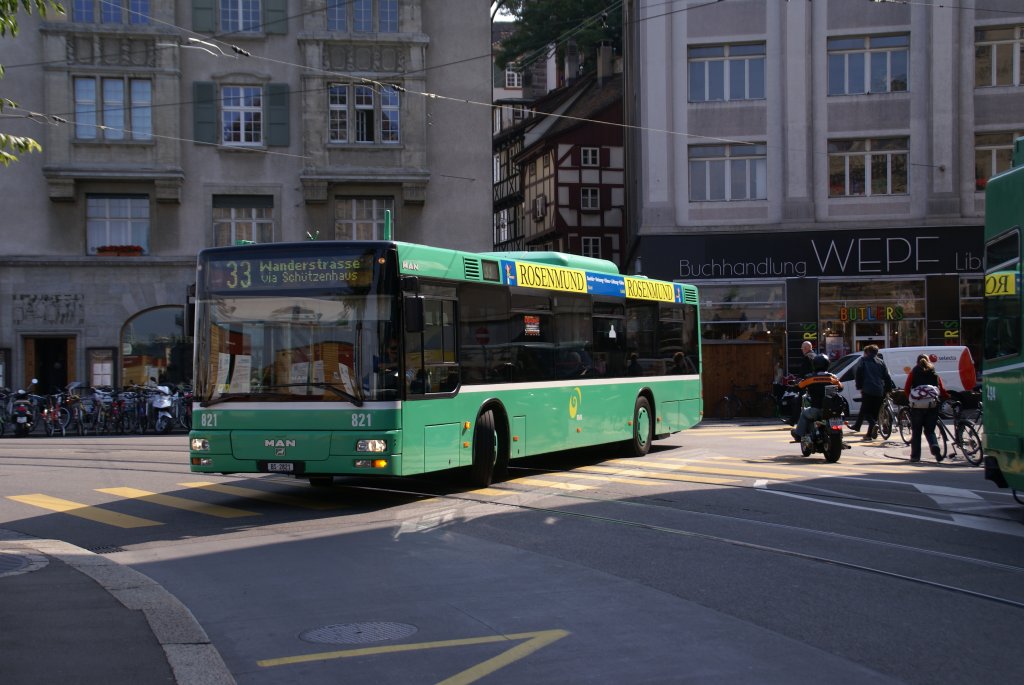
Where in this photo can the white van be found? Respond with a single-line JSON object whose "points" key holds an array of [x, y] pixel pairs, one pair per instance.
{"points": [[953, 364]]}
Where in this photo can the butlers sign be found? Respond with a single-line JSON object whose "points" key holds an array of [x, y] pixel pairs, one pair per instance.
{"points": [[868, 253]]}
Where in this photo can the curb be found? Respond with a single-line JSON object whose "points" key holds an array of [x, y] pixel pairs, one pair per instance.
{"points": [[192, 657]]}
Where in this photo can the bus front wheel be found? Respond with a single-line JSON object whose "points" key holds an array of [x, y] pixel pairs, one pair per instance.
{"points": [[643, 427], [485, 450]]}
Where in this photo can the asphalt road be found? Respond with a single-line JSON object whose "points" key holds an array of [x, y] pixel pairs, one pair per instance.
{"points": [[722, 556]]}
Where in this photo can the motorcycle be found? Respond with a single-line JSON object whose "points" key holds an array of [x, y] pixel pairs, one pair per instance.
{"points": [[826, 434], [160, 414], [22, 412]]}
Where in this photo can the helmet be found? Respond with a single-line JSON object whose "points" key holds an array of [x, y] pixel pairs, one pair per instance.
{"points": [[820, 363]]}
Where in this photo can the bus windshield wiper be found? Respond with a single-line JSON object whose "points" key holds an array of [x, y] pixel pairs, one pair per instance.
{"points": [[358, 401]]}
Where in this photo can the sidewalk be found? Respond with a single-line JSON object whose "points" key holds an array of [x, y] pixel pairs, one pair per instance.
{"points": [[70, 616]]}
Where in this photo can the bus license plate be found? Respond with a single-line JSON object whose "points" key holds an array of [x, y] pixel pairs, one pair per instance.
{"points": [[280, 466]]}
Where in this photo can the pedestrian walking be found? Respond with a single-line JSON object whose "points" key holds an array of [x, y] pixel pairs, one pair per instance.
{"points": [[873, 380], [925, 391]]}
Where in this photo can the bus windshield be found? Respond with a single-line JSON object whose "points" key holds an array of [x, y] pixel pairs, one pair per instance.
{"points": [[335, 344]]}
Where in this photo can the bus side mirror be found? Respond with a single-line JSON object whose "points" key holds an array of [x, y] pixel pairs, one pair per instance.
{"points": [[413, 314]]}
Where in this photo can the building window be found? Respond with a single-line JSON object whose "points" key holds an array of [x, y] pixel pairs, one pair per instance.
{"points": [[242, 115], [337, 113], [591, 247], [247, 218], [590, 199], [518, 113], [502, 224], [513, 78], [590, 156], [361, 218], [993, 154], [364, 16], [337, 15], [101, 366], [116, 220], [111, 11], [876, 166], [240, 16], [113, 109], [997, 56], [728, 172], [726, 72], [356, 115], [867, 64]]}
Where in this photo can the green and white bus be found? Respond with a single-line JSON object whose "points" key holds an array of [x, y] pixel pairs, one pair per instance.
{"points": [[321, 358], [1003, 379]]}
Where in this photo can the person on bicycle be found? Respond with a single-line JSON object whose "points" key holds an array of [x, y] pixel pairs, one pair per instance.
{"points": [[923, 417], [873, 380], [814, 385]]}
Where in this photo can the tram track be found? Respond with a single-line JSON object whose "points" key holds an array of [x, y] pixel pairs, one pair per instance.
{"points": [[777, 486], [971, 562]]}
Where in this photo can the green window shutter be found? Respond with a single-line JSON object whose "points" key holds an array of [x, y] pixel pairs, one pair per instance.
{"points": [[277, 114], [204, 16], [204, 112], [275, 16]]}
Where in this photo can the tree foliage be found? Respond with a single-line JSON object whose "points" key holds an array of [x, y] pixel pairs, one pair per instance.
{"points": [[9, 24], [543, 23]]}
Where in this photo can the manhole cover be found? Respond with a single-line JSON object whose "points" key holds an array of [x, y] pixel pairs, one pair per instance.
{"points": [[12, 563], [358, 633]]}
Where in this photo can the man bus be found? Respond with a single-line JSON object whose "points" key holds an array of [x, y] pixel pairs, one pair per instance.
{"points": [[324, 358]]}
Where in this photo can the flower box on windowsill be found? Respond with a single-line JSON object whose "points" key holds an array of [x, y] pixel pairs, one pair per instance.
{"points": [[119, 250]]}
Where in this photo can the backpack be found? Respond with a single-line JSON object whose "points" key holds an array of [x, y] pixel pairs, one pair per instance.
{"points": [[924, 397]]}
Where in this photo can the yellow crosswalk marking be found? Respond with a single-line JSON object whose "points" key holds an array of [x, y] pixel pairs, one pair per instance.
{"points": [[539, 482], [179, 503], [263, 495], [742, 473], [709, 480], [606, 479], [84, 511], [495, 492]]}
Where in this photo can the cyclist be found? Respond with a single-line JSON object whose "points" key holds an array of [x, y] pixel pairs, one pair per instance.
{"points": [[814, 385], [924, 412]]}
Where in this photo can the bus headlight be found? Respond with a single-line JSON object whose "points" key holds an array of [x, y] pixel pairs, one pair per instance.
{"points": [[371, 446], [200, 445]]}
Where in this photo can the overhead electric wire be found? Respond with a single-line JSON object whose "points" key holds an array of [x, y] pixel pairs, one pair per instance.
{"points": [[68, 118]]}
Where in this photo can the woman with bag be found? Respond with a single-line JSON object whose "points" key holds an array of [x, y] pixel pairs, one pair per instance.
{"points": [[925, 391]]}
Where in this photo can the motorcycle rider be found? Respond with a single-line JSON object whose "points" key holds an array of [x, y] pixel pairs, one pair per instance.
{"points": [[814, 385]]}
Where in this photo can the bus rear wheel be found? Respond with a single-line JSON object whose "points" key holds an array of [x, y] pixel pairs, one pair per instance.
{"points": [[485, 450], [643, 427]]}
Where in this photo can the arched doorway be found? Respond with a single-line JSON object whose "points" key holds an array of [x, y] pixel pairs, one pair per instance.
{"points": [[154, 345]]}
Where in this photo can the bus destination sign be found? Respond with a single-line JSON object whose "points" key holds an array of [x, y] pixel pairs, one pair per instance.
{"points": [[550, 277], [289, 272]]}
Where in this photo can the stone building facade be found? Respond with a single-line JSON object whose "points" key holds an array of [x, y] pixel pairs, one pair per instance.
{"points": [[818, 168], [168, 127]]}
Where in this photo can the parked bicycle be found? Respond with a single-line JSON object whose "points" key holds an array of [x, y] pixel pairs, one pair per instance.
{"points": [[747, 400], [55, 414]]}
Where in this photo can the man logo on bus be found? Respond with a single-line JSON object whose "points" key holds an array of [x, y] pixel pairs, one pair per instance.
{"points": [[574, 404]]}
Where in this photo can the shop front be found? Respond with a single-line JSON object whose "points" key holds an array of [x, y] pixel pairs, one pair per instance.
{"points": [[840, 289]]}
